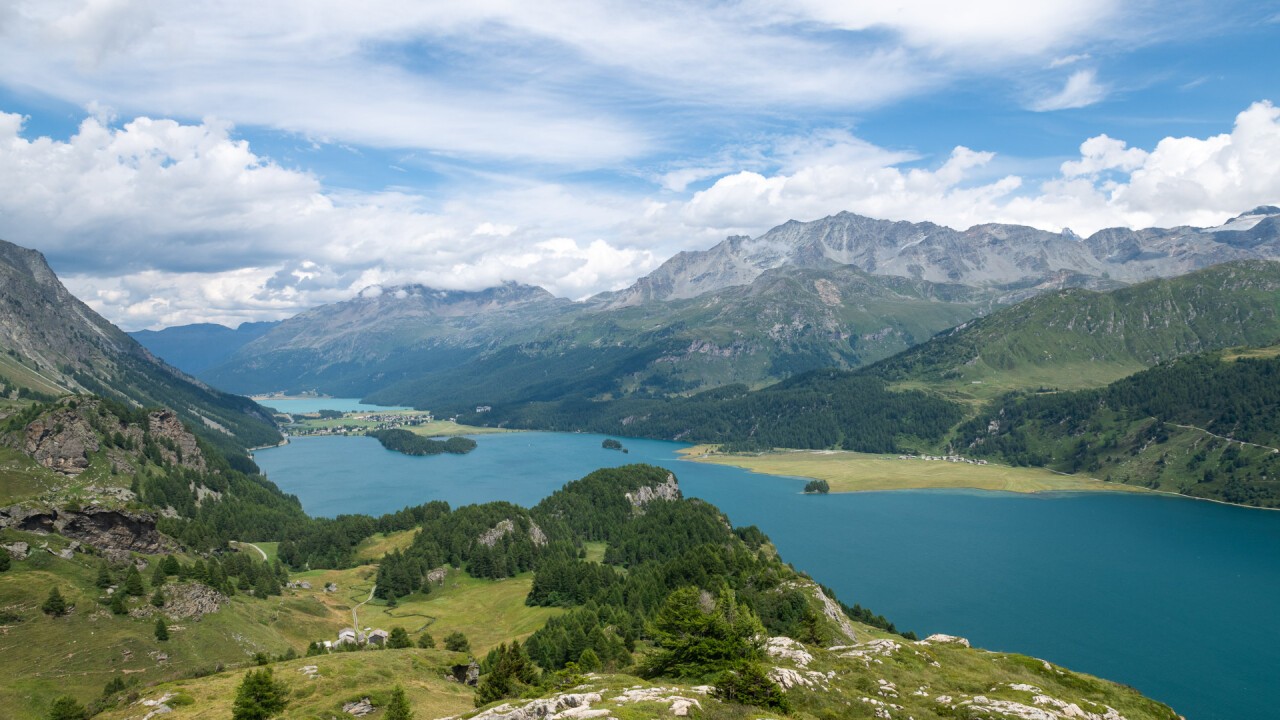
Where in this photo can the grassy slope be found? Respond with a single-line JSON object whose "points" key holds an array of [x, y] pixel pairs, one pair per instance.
{"points": [[43, 657], [859, 472], [486, 611], [339, 678], [919, 674], [1081, 339]]}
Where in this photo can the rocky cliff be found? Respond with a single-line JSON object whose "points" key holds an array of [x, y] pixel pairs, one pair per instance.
{"points": [[113, 532]]}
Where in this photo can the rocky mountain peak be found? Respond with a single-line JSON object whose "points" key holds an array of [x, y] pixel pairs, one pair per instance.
{"points": [[990, 255]]}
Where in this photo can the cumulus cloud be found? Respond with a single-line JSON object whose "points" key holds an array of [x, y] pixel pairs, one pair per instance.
{"points": [[157, 222], [1081, 90], [1192, 181]]}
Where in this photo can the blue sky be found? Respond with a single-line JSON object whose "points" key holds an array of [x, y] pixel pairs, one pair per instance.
{"points": [[224, 161]]}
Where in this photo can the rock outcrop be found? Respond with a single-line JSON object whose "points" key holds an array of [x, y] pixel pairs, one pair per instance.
{"points": [[490, 537], [669, 490], [115, 533]]}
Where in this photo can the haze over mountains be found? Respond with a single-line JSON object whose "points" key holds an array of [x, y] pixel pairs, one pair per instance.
{"points": [[841, 292]]}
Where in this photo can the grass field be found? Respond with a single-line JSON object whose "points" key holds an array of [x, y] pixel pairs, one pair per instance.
{"points": [[486, 611], [861, 472], [372, 548], [338, 678]]}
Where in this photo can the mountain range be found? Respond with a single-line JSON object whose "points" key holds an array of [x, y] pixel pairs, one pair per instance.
{"points": [[842, 292]]}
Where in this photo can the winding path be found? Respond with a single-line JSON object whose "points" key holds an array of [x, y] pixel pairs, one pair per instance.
{"points": [[1223, 437], [261, 552], [355, 621]]}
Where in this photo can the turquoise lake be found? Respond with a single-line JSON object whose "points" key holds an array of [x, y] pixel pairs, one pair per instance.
{"points": [[1178, 598], [310, 405]]}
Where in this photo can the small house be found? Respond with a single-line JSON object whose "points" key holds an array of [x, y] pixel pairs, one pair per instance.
{"points": [[348, 636], [379, 637]]}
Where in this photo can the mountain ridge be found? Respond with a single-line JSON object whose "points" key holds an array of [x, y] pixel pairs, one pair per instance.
{"points": [[57, 344]]}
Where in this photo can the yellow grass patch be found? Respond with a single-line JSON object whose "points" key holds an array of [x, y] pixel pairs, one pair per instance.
{"points": [[862, 472]]}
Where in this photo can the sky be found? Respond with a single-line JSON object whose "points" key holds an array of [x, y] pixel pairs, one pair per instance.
{"points": [[223, 161]]}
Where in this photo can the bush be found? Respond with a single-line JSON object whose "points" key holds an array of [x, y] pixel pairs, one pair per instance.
{"points": [[457, 642], [749, 685], [66, 708], [426, 642], [398, 708], [162, 630]]}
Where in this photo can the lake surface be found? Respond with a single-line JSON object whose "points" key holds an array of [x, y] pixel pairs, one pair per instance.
{"points": [[1178, 598], [310, 405]]}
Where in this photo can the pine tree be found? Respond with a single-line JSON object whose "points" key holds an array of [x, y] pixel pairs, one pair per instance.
{"points": [[589, 661], [259, 696], [157, 597], [54, 605], [399, 638], [133, 582], [398, 708], [162, 630], [4, 560], [104, 580], [117, 604], [158, 577], [426, 642]]}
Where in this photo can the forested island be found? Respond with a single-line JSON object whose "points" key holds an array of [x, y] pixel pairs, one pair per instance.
{"points": [[403, 441]]}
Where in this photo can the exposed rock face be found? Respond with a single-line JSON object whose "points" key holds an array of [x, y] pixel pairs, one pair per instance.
{"points": [[669, 490], [785, 648], [18, 550], [61, 441], [63, 438], [490, 537], [568, 705], [990, 255], [166, 424], [113, 532], [192, 601], [358, 708]]}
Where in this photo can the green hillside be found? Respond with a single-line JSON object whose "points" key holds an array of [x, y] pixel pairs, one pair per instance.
{"points": [[769, 641], [1207, 425], [1078, 338]]}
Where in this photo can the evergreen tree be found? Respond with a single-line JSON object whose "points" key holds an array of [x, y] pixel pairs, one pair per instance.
{"points": [[117, 604], [133, 582], [158, 577], [104, 580], [697, 638], [54, 605], [457, 642], [157, 597], [259, 697], [589, 661], [399, 638], [66, 708], [171, 565], [162, 630], [426, 642], [398, 708], [4, 560]]}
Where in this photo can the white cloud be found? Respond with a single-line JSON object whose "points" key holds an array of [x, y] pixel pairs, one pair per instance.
{"points": [[547, 82], [1069, 60], [1081, 90], [159, 222]]}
